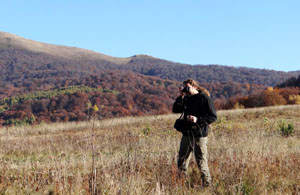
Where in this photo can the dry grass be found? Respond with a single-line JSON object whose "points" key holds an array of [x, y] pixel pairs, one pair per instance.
{"points": [[138, 156]]}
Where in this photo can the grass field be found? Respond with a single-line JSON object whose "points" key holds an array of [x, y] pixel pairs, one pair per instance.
{"points": [[137, 155]]}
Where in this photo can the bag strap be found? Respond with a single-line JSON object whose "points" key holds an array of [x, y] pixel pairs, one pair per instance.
{"points": [[181, 115]]}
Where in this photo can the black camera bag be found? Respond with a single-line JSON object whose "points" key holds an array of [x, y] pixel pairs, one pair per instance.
{"points": [[187, 127]]}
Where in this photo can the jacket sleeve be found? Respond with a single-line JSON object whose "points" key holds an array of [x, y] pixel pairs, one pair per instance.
{"points": [[178, 105], [210, 115]]}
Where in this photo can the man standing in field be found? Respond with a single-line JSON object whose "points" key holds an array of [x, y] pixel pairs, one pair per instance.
{"points": [[197, 107]]}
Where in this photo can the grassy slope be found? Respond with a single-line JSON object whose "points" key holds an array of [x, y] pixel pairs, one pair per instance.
{"points": [[8, 40], [138, 155]]}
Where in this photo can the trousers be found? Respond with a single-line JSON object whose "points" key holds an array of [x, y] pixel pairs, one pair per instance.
{"points": [[199, 146]]}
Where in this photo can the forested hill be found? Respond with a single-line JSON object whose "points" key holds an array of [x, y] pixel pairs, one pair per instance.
{"points": [[292, 82], [23, 59], [115, 93], [205, 73], [45, 82]]}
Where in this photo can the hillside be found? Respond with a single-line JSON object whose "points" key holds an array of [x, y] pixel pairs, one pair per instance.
{"points": [[205, 73], [137, 85], [116, 93], [291, 82], [11, 41], [137, 155], [284, 93], [27, 61]]}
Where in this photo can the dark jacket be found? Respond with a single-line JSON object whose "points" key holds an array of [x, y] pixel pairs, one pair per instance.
{"points": [[199, 105]]}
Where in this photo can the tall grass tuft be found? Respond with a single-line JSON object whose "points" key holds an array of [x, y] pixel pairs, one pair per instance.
{"points": [[286, 129]]}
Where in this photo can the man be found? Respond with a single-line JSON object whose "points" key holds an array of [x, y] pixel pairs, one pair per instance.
{"points": [[197, 107]]}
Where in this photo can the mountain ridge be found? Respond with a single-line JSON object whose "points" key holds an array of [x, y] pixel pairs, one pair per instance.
{"points": [[34, 76], [30, 65], [10, 40]]}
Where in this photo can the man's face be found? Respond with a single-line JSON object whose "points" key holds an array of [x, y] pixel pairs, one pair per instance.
{"points": [[188, 85], [187, 88]]}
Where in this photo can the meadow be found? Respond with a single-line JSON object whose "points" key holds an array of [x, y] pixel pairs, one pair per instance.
{"points": [[248, 154]]}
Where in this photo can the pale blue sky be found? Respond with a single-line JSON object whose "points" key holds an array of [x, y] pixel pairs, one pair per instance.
{"points": [[256, 33]]}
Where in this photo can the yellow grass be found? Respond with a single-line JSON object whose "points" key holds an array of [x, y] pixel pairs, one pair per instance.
{"points": [[137, 155]]}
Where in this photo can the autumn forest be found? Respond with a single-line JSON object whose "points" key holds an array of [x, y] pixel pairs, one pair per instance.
{"points": [[42, 86]]}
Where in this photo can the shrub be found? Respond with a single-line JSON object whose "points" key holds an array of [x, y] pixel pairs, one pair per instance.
{"points": [[146, 131], [294, 99], [286, 129], [20, 122], [238, 106], [272, 98]]}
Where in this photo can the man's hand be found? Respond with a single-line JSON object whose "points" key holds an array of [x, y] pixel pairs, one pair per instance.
{"points": [[192, 118]]}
